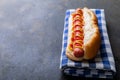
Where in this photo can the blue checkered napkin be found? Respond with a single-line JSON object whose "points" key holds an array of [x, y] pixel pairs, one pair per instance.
{"points": [[103, 66]]}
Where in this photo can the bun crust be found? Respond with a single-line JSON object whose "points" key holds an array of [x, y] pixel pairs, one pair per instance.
{"points": [[91, 41]]}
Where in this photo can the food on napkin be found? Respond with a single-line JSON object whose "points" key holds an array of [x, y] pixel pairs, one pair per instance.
{"points": [[83, 35]]}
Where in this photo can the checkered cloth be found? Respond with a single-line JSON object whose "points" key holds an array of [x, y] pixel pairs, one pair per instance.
{"points": [[103, 66]]}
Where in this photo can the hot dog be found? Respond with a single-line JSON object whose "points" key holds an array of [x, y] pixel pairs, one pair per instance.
{"points": [[83, 35]]}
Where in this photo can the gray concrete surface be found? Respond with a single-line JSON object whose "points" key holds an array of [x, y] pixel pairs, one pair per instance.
{"points": [[31, 36]]}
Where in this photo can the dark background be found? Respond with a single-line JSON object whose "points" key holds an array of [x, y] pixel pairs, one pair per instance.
{"points": [[31, 36]]}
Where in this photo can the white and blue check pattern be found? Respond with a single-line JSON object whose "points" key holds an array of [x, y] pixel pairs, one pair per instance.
{"points": [[103, 66]]}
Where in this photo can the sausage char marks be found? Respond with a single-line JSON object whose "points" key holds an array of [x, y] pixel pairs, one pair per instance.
{"points": [[77, 34]]}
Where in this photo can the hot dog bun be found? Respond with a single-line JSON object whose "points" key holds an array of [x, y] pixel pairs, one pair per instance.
{"points": [[83, 35]]}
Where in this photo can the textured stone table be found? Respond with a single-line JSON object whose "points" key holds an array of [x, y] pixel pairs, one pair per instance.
{"points": [[31, 36]]}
